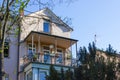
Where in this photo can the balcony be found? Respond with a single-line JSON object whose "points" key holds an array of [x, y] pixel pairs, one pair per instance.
{"points": [[42, 48], [47, 58]]}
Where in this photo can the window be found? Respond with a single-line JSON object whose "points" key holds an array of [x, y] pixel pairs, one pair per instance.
{"points": [[46, 50], [6, 49], [46, 27], [42, 75], [59, 56], [30, 53], [29, 76], [30, 49], [6, 77], [47, 58], [35, 74]]}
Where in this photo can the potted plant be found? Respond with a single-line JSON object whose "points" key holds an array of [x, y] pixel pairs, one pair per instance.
{"points": [[35, 56]]}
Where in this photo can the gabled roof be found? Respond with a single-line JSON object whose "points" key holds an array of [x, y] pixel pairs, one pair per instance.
{"points": [[46, 12]]}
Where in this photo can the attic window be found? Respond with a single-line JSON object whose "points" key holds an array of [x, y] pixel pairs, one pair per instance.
{"points": [[46, 27]]}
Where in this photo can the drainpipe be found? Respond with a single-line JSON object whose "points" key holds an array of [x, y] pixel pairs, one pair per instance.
{"points": [[19, 33], [18, 51]]}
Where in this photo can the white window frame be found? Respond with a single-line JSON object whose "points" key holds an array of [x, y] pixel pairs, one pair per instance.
{"points": [[59, 54], [34, 48], [44, 49], [46, 53]]}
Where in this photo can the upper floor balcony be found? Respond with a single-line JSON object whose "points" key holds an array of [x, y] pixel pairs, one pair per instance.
{"points": [[46, 48]]}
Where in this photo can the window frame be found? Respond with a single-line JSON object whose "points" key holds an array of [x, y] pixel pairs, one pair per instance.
{"points": [[6, 76], [30, 47], [42, 71], [8, 54], [46, 54], [59, 53]]}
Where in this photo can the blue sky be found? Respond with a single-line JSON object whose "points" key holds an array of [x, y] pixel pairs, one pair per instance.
{"points": [[90, 17]]}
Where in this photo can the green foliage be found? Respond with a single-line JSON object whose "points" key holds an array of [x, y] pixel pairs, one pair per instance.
{"points": [[62, 74], [92, 66], [110, 50], [53, 74], [69, 75]]}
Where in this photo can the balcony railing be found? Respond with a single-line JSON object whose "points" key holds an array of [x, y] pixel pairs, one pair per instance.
{"points": [[46, 58]]}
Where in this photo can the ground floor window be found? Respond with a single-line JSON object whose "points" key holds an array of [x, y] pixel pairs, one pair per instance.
{"points": [[6, 77], [29, 76], [6, 49], [42, 75]]}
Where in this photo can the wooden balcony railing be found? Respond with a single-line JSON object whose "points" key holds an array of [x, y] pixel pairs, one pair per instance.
{"points": [[45, 58]]}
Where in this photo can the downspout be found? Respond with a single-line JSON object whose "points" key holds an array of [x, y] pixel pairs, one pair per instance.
{"points": [[19, 28]]}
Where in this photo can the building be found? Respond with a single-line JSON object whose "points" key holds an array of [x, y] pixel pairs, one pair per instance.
{"points": [[44, 40]]}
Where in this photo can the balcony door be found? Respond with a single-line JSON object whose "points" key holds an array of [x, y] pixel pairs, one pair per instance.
{"points": [[46, 51], [31, 50], [59, 58]]}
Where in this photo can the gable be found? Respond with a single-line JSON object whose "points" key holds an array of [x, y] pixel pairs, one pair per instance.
{"points": [[49, 15]]}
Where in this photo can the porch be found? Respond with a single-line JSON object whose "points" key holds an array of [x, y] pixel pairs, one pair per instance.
{"points": [[49, 49]]}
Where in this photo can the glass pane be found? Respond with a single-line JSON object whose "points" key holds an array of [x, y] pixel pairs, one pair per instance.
{"points": [[59, 59], [30, 49], [29, 76], [59, 51], [42, 76], [46, 48], [46, 27], [47, 58], [46, 52], [6, 77], [6, 49], [35, 74]]}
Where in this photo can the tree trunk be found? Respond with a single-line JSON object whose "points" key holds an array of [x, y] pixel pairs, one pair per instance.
{"points": [[1, 61]]}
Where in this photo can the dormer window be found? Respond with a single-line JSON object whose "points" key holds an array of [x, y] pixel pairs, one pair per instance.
{"points": [[46, 27]]}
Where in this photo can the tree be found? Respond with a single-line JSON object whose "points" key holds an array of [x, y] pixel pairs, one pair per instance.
{"points": [[93, 66], [110, 50], [69, 75], [9, 13], [53, 74], [62, 74]]}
